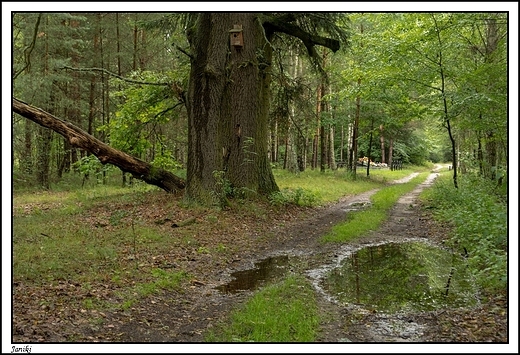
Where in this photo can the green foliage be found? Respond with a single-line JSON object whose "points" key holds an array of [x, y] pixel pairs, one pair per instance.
{"points": [[223, 189], [116, 217], [166, 162], [478, 212], [299, 197], [138, 127], [283, 312], [90, 165], [167, 280], [389, 64]]}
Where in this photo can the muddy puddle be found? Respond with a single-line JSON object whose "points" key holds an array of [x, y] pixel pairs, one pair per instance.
{"points": [[400, 277], [391, 277], [263, 271]]}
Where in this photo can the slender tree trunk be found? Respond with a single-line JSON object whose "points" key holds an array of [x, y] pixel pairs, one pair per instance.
{"points": [[142, 57], [134, 65], [331, 157], [390, 153], [119, 72], [480, 156], [105, 89], [491, 41], [315, 142], [27, 158], [301, 157], [286, 154], [43, 162], [321, 129], [323, 107], [440, 63], [74, 111], [274, 141], [291, 146], [453, 152], [45, 135], [355, 129], [491, 154], [317, 135], [370, 146], [64, 165], [342, 142], [382, 140]]}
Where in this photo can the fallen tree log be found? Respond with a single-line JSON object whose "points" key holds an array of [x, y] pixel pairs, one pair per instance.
{"points": [[106, 154]]}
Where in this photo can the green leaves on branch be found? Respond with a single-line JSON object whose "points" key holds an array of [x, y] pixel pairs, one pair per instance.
{"points": [[138, 126], [90, 165]]}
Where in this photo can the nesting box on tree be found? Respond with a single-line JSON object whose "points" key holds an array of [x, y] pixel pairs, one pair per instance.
{"points": [[236, 36]]}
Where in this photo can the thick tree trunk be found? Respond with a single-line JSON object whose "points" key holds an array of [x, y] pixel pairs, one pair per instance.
{"points": [[106, 154], [228, 103]]}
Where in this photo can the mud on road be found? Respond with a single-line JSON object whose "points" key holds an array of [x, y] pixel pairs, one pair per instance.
{"points": [[186, 315]]}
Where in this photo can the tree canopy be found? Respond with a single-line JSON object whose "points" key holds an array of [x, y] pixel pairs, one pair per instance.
{"points": [[303, 90]]}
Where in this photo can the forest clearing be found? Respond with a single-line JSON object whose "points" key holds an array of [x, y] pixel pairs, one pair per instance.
{"points": [[218, 178]]}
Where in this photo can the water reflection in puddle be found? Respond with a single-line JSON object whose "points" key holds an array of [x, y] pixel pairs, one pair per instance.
{"points": [[265, 270], [401, 276]]}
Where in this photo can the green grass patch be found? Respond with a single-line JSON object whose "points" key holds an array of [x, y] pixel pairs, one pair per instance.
{"points": [[283, 312], [160, 280], [51, 246], [359, 223], [312, 187]]}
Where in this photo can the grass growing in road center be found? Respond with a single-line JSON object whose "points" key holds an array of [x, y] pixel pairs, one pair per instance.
{"points": [[359, 223]]}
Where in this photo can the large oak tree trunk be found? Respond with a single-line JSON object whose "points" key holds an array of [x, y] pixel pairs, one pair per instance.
{"points": [[228, 105], [106, 154]]}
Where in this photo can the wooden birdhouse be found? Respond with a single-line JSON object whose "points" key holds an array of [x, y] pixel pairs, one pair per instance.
{"points": [[236, 36]]}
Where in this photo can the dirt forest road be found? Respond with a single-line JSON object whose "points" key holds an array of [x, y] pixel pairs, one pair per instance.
{"points": [[185, 316]]}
